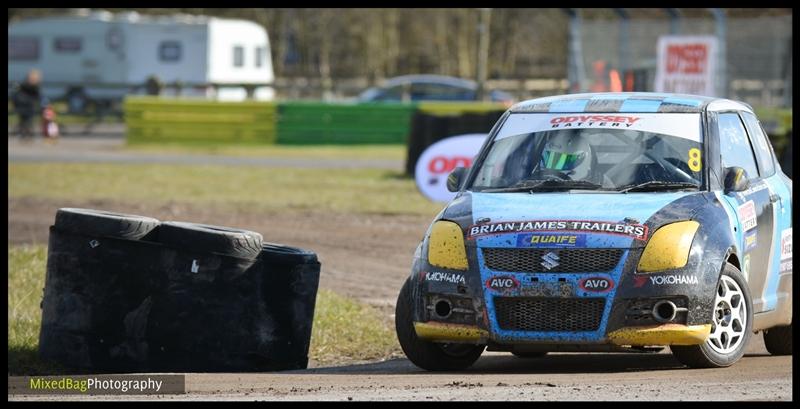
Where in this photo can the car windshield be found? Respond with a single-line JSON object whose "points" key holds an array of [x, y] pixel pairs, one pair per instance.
{"points": [[616, 152]]}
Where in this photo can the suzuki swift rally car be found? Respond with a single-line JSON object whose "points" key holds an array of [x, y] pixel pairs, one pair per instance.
{"points": [[608, 222]]}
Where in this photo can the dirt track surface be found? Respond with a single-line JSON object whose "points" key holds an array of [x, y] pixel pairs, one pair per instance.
{"points": [[105, 150], [499, 376]]}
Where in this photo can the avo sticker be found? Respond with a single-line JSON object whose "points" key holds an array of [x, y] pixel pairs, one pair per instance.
{"points": [[502, 283], [596, 284]]}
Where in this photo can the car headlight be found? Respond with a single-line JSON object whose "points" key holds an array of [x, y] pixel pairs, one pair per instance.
{"points": [[446, 246], [668, 248]]}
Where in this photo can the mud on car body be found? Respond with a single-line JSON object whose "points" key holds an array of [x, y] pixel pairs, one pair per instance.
{"points": [[608, 222]]}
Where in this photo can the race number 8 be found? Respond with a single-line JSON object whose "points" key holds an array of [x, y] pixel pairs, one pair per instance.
{"points": [[694, 160]]}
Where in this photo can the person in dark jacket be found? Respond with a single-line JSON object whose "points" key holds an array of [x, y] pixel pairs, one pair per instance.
{"points": [[28, 102]]}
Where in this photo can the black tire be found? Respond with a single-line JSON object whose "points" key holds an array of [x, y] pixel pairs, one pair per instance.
{"points": [[286, 255], [205, 238], [703, 356], [428, 355], [104, 224], [778, 340], [529, 355]]}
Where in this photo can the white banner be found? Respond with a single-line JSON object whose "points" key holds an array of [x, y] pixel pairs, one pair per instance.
{"points": [[439, 159], [687, 65], [685, 126]]}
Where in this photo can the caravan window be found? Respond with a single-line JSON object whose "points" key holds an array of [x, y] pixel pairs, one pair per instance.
{"points": [[261, 52], [23, 48], [169, 51], [67, 44], [238, 56]]}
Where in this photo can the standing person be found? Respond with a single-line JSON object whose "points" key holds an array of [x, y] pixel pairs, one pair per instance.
{"points": [[28, 102]]}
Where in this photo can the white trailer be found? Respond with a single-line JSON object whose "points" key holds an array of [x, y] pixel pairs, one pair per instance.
{"points": [[110, 55]]}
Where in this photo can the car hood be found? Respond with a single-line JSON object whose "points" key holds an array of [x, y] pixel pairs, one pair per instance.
{"points": [[601, 219]]}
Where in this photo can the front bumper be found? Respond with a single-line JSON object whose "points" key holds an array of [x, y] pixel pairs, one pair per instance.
{"points": [[477, 315]]}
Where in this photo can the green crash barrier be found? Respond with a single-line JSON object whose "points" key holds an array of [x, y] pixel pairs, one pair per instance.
{"points": [[155, 120], [305, 123]]}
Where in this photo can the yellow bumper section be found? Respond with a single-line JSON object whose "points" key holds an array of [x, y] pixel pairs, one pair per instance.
{"points": [[437, 331], [666, 334]]}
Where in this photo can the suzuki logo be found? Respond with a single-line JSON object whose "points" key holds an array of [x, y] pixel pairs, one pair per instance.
{"points": [[550, 260]]}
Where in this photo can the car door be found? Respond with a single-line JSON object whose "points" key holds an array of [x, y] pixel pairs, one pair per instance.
{"points": [[753, 207], [781, 199]]}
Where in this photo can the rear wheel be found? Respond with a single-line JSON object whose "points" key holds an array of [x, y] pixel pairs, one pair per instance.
{"points": [[730, 327], [431, 356], [778, 340]]}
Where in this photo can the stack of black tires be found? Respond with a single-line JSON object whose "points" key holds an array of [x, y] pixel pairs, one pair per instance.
{"points": [[130, 293]]}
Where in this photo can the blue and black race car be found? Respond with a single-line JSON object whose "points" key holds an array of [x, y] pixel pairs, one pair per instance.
{"points": [[608, 222]]}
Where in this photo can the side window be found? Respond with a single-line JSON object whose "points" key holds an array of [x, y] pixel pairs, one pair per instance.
{"points": [[67, 44], [23, 48], [169, 51], [734, 146], [439, 92], [760, 143], [238, 56], [260, 51], [391, 94]]}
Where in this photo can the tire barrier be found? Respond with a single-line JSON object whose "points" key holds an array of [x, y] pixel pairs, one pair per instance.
{"points": [[127, 293], [429, 128]]}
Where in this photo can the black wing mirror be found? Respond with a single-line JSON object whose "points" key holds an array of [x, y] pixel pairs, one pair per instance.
{"points": [[736, 179], [455, 178]]}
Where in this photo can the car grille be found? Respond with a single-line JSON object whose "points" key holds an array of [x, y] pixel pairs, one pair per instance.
{"points": [[549, 314], [569, 261]]}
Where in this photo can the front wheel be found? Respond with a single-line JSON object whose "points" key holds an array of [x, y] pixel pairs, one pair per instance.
{"points": [[730, 325], [431, 356]]}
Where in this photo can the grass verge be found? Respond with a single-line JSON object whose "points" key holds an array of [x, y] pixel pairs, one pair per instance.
{"points": [[237, 187], [344, 330], [355, 152]]}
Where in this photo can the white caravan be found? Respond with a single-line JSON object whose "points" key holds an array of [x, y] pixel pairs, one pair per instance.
{"points": [[109, 55]]}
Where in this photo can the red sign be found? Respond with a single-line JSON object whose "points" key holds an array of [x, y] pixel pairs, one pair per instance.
{"points": [[687, 58], [687, 64]]}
